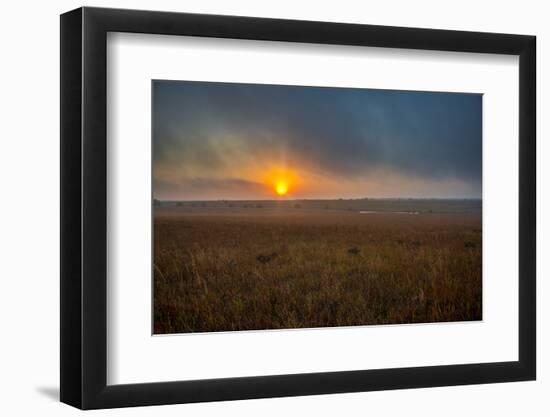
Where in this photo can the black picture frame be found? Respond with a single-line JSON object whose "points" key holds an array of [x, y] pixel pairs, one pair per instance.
{"points": [[84, 207]]}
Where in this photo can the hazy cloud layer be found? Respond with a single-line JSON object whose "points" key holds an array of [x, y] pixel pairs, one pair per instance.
{"points": [[216, 137]]}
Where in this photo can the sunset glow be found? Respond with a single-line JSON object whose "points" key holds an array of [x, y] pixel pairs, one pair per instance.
{"points": [[283, 181], [281, 188]]}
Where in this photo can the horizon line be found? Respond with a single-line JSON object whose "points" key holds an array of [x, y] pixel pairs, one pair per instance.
{"points": [[322, 199]]}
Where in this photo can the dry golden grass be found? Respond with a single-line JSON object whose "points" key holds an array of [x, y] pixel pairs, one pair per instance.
{"points": [[223, 270]]}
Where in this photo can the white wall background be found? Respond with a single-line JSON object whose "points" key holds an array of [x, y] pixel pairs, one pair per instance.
{"points": [[29, 237]]}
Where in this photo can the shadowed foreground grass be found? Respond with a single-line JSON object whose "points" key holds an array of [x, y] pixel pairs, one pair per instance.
{"points": [[223, 270]]}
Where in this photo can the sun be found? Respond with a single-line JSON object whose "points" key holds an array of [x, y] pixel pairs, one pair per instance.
{"points": [[281, 181], [281, 188]]}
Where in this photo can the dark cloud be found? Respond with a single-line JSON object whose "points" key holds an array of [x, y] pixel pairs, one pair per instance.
{"points": [[341, 132], [210, 188]]}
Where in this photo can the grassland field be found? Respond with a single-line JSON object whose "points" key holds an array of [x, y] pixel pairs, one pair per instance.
{"points": [[254, 265]]}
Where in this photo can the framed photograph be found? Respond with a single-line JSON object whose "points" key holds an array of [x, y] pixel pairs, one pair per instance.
{"points": [[258, 208]]}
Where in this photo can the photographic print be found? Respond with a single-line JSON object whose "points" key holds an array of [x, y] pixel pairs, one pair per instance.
{"points": [[287, 207]]}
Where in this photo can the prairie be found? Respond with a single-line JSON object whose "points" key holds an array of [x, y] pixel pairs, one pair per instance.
{"points": [[252, 265]]}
